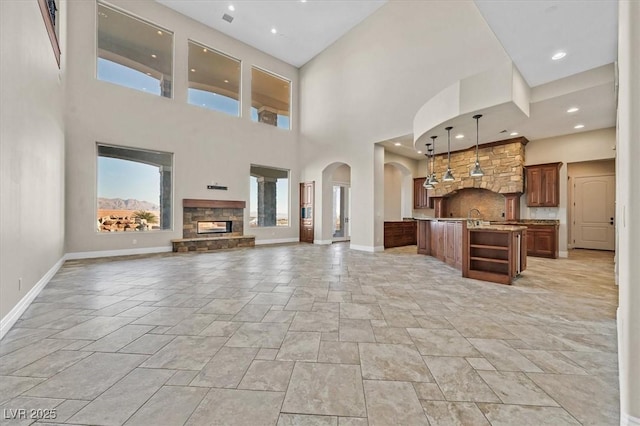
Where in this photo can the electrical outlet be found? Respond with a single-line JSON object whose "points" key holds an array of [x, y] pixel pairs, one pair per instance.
{"points": [[20, 284]]}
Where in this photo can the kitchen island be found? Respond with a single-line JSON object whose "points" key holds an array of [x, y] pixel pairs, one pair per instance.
{"points": [[495, 253]]}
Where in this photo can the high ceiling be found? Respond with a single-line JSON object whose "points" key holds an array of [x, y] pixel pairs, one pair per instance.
{"points": [[531, 31], [303, 28]]}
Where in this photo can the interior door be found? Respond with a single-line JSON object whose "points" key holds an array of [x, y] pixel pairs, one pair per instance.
{"points": [[593, 212], [341, 207], [306, 211]]}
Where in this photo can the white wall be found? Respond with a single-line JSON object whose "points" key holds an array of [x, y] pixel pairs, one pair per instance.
{"points": [[628, 211], [392, 193], [583, 146], [32, 151], [209, 146], [368, 86]]}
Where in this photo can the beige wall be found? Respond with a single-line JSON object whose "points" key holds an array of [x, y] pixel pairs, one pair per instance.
{"points": [[577, 147], [368, 86], [392, 193], [209, 146], [32, 151]]}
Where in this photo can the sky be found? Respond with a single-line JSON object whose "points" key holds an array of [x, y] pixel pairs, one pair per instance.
{"points": [[128, 179]]}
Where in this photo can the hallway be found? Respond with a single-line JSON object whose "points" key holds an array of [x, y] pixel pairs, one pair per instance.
{"points": [[306, 334]]}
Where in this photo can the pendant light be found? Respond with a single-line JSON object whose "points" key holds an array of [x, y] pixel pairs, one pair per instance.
{"points": [[427, 184], [433, 180], [477, 170], [448, 175]]}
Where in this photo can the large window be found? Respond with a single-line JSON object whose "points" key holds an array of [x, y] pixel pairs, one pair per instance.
{"points": [[134, 53], [269, 197], [270, 99], [214, 80], [134, 189]]}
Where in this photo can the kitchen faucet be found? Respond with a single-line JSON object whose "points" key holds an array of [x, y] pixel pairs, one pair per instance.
{"points": [[474, 210]]}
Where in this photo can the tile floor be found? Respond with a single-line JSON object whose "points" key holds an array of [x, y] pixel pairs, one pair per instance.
{"points": [[315, 335]]}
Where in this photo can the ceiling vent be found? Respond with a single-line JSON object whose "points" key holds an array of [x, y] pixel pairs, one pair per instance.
{"points": [[503, 131], [227, 18]]}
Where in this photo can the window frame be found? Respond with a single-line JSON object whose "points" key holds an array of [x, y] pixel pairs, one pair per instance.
{"points": [[143, 20], [281, 77], [219, 52], [289, 217], [171, 227], [51, 27]]}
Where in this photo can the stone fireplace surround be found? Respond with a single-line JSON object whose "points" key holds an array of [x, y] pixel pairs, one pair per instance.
{"points": [[194, 211]]}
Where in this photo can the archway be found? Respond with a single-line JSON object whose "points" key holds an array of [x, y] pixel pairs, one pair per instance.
{"points": [[398, 191], [334, 222]]}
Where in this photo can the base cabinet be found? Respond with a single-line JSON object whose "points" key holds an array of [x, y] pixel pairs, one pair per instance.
{"points": [[399, 234], [442, 240], [542, 241]]}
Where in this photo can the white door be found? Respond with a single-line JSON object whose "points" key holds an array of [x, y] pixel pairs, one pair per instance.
{"points": [[594, 208], [341, 221]]}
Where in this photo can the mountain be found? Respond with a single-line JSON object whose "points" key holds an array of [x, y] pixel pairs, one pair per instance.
{"points": [[128, 204]]}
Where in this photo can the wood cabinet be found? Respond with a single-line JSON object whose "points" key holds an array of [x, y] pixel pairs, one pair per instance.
{"points": [[420, 194], [542, 241], [399, 234], [495, 255], [442, 240], [512, 206], [543, 185]]}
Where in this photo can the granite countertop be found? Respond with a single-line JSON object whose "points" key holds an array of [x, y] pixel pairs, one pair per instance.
{"points": [[498, 227], [529, 222], [442, 219]]}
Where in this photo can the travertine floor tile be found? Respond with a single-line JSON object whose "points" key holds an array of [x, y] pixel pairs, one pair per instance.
{"points": [[241, 407], [267, 375], [226, 368], [356, 331], [52, 364], [118, 339], [221, 329], [300, 346], [306, 420], [258, 335], [186, 353], [171, 405], [89, 377], [516, 388], [325, 389], [339, 353], [458, 380], [441, 342], [428, 391], [393, 403], [392, 362], [442, 413], [360, 311], [503, 357], [326, 322], [507, 415], [148, 344]]}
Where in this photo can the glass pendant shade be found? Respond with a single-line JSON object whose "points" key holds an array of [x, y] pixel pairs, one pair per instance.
{"points": [[448, 175], [427, 184], [433, 179], [477, 170]]}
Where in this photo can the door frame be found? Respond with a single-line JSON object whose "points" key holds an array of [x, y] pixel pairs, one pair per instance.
{"points": [[347, 223], [572, 207]]}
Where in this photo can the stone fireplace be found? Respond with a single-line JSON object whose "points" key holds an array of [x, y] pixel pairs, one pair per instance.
{"points": [[503, 166], [212, 225]]}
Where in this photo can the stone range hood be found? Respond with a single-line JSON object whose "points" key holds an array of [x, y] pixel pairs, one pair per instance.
{"points": [[502, 163]]}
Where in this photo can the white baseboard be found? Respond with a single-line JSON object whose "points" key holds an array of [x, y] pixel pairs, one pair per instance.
{"points": [[111, 253], [7, 322], [323, 242], [563, 254], [629, 420], [370, 249], [277, 241]]}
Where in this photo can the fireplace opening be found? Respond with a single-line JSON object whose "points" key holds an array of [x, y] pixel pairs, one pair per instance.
{"points": [[214, 227]]}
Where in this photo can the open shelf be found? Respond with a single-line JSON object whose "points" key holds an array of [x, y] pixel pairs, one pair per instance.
{"points": [[485, 246], [486, 259]]}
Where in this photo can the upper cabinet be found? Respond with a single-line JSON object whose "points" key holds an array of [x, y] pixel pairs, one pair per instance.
{"points": [[543, 185], [420, 195]]}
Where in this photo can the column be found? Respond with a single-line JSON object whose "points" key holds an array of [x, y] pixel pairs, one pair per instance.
{"points": [[628, 210], [165, 197], [267, 201]]}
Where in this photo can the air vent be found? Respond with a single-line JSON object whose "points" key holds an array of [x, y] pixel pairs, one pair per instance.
{"points": [[227, 18], [503, 131]]}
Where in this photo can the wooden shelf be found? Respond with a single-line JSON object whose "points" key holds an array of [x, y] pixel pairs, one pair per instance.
{"points": [[484, 246], [486, 259]]}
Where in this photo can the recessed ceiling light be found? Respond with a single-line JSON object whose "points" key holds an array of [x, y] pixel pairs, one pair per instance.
{"points": [[274, 31], [573, 109], [578, 126], [303, 1], [204, 50], [513, 134], [159, 32], [397, 144], [231, 7], [460, 136], [193, 70], [559, 55], [154, 55], [148, 73], [226, 81], [419, 152]]}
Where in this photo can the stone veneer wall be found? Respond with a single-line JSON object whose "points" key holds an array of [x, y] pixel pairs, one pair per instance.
{"points": [[192, 215], [503, 167]]}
